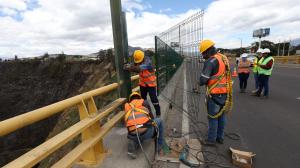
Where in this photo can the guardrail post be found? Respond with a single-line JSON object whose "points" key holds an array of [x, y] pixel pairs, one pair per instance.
{"points": [[120, 46], [95, 154]]}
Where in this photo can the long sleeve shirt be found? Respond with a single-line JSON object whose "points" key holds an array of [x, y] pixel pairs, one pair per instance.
{"points": [[268, 65], [147, 105], [210, 68], [147, 64]]}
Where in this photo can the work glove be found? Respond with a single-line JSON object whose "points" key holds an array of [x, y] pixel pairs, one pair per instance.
{"points": [[127, 67]]}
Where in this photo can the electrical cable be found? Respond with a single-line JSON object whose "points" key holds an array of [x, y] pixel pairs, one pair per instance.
{"points": [[199, 134]]}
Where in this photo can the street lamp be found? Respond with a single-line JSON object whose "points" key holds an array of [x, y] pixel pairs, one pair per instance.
{"points": [[241, 44]]}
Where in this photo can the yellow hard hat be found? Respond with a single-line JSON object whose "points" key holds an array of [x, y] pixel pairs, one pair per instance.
{"points": [[134, 94], [205, 44], [138, 56]]}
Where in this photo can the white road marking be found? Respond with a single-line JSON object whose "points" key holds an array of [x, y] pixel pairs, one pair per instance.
{"points": [[298, 98]]}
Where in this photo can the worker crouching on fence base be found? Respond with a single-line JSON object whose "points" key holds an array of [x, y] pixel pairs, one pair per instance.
{"points": [[147, 81], [217, 78], [141, 124]]}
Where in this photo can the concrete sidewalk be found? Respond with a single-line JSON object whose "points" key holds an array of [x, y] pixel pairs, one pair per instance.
{"points": [[116, 140]]}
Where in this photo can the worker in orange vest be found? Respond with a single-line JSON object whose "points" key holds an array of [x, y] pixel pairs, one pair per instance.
{"points": [[243, 71], [217, 78], [147, 82], [141, 124]]}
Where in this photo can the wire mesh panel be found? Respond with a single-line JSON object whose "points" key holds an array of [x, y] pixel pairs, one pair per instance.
{"points": [[167, 62], [186, 35]]}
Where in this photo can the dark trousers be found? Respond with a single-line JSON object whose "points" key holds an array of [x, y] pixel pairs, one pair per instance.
{"points": [[153, 97], [263, 84], [256, 80], [216, 125], [243, 77]]}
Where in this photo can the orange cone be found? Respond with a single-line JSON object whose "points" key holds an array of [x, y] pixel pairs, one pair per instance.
{"points": [[234, 73]]}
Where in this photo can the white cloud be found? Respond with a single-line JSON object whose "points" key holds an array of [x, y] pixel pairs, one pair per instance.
{"points": [[226, 21], [82, 27], [8, 11], [13, 4]]}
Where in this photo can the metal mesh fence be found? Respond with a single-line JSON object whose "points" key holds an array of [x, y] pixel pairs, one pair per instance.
{"points": [[167, 62], [184, 37]]}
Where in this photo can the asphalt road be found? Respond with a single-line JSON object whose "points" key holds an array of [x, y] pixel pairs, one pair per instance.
{"points": [[270, 128]]}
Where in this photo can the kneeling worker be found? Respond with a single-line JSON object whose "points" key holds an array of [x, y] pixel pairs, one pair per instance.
{"points": [[147, 83], [141, 124]]}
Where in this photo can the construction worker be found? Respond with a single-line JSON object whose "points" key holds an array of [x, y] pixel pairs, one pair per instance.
{"points": [[265, 66], [141, 124], [243, 72], [147, 83], [216, 76], [255, 71]]}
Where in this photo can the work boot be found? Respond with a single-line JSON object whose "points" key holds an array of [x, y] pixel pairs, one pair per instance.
{"points": [[209, 143], [220, 140], [254, 91], [132, 147], [255, 94], [265, 97]]}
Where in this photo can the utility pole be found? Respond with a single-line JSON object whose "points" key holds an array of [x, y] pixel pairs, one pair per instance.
{"points": [[118, 20]]}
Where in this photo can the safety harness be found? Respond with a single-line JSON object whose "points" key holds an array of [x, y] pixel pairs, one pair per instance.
{"points": [[131, 112], [228, 103]]}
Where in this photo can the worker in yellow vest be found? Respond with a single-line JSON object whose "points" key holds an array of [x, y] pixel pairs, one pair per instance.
{"points": [[147, 81], [141, 124], [243, 71], [255, 68], [217, 78], [265, 67]]}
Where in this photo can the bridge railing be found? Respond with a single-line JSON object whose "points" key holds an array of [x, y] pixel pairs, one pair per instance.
{"points": [[91, 149], [287, 59]]}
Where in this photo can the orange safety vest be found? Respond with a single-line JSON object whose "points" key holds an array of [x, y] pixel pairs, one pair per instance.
{"points": [[147, 78], [219, 80], [242, 69], [136, 114]]}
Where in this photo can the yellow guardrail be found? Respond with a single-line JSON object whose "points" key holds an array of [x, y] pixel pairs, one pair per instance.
{"points": [[91, 149], [287, 59]]}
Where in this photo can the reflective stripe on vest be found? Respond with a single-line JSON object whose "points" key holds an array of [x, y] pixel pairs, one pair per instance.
{"points": [[147, 78], [136, 114], [264, 61], [217, 83], [244, 69]]}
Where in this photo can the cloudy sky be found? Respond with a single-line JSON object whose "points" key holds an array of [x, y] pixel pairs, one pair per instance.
{"points": [[33, 27]]}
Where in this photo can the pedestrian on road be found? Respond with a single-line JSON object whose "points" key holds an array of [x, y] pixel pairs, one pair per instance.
{"points": [[265, 67], [243, 72], [255, 68], [141, 124], [147, 82], [216, 76]]}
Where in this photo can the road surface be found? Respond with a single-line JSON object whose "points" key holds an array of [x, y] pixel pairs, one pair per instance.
{"points": [[270, 128]]}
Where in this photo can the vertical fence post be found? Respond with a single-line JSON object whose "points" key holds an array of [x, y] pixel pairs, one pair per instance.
{"points": [[89, 157], [157, 67], [95, 154], [120, 51]]}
